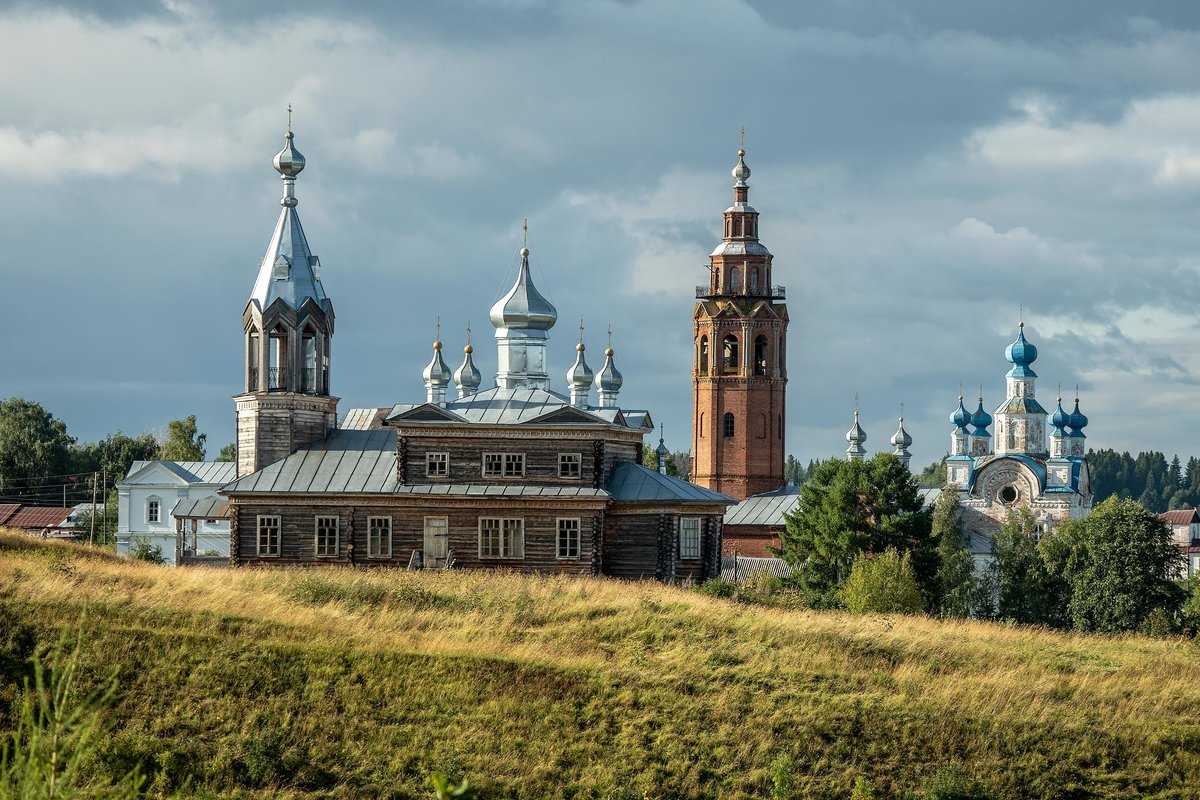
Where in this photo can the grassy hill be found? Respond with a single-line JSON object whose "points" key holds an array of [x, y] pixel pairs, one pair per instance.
{"points": [[337, 683]]}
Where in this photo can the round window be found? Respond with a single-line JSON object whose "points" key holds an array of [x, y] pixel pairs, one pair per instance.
{"points": [[1008, 495]]}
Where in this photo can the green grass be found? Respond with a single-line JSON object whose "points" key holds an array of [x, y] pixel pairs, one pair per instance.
{"points": [[346, 684]]}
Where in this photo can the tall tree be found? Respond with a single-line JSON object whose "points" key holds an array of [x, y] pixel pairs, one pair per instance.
{"points": [[1122, 568], [228, 453], [1024, 586], [934, 475], [851, 507], [33, 446], [956, 584], [183, 442], [114, 454]]}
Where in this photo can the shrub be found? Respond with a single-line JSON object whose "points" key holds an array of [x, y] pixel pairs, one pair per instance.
{"points": [[142, 550], [863, 790], [882, 584], [718, 587], [951, 783]]}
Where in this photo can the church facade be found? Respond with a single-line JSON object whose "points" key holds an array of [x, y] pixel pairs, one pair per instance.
{"points": [[516, 476]]}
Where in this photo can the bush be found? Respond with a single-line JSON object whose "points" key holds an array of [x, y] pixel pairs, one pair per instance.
{"points": [[863, 790], [951, 783], [142, 550], [882, 584]]}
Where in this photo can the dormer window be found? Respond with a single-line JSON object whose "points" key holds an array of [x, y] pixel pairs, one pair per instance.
{"points": [[282, 268], [503, 465]]}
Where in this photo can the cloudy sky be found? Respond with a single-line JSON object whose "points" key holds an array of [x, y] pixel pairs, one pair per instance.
{"points": [[923, 169]]}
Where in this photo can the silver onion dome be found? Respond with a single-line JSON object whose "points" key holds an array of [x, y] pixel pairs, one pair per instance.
{"points": [[436, 373], [467, 377], [609, 378], [856, 437], [580, 375], [289, 162], [741, 171], [523, 306], [900, 439]]}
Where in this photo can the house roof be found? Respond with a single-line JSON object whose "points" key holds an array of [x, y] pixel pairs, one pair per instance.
{"points": [[1180, 516], [7, 510], [767, 508], [498, 406], [633, 483], [38, 517], [347, 461], [201, 508], [212, 472], [364, 419]]}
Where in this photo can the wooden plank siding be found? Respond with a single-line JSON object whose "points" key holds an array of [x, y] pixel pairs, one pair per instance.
{"points": [[466, 459], [644, 544], [298, 532]]}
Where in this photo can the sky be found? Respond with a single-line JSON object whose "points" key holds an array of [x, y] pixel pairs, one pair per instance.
{"points": [[926, 172]]}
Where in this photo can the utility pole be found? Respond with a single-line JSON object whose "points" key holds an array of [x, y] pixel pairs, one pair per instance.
{"points": [[92, 535], [104, 498]]}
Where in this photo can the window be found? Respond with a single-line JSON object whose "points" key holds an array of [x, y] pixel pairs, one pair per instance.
{"points": [[760, 355], [568, 538], [735, 280], [506, 465], [437, 465], [501, 538], [252, 345], [1008, 495], [753, 279], [702, 365], [779, 426], [762, 426], [308, 346], [701, 425], [153, 510], [277, 354], [379, 537], [569, 465], [729, 425], [268, 535], [729, 353], [327, 536], [689, 537]]}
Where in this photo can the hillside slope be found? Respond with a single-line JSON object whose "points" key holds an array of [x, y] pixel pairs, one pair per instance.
{"points": [[333, 683]]}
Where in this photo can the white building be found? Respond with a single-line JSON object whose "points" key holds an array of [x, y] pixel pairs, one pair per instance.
{"points": [[152, 490]]}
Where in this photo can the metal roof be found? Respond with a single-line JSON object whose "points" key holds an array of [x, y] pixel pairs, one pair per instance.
{"points": [[523, 306], [499, 490], [633, 483], [498, 406], [741, 249], [767, 508], [201, 508], [1180, 516], [7, 510], [214, 472], [364, 419], [347, 461], [38, 517]]}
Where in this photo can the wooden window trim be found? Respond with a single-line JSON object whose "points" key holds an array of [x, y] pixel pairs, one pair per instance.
{"points": [[578, 466], [258, 523], [558, 555], [337, 536], [371, 521], [503, 456], [428, 461], [699, 536], [516, 556]]}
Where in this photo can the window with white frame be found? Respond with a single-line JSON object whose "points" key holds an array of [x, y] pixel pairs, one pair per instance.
{"points": [[503, 465], [327, 536], [689, 537], [568, 538], [379, 537], [570, 465], [437, 465], [268, 535], [501, 537], [153, 509]]}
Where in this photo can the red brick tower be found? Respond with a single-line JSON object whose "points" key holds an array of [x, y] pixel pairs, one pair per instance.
{"points": [[740, 371]]}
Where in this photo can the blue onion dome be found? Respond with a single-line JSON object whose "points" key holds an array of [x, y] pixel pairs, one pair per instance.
{"points": [[1021, 352], [436, 372], [1078, 421], [961, 417], [1061, 419], [981, 419]]}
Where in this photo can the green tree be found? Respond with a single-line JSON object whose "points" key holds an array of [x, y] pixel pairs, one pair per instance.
{"points": [[956, 582], [882, 583], [934, 475], [1024, 586], [183, 442], [1122, 568], [650, 460], [114, 454], [228, 453], [33, 446], [851, 507]]}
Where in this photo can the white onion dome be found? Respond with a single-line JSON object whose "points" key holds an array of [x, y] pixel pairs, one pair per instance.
{"points": [[523, 306], [289, 162], [580, 375], [741, 171], [436, 373], [856, 435], [467, 377], [900, 439], [609, 378]]}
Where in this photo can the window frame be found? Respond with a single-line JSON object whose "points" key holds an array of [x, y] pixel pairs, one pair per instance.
{"points": [[578, 462], [445, 461], [558, 539], [155, 502], [685, 555], [516, 548], [728, 426], [371, 522], [503, 464], [337, 536], [258, 536]]}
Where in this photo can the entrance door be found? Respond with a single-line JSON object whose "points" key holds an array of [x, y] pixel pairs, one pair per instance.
{"points": [[437, 538]]}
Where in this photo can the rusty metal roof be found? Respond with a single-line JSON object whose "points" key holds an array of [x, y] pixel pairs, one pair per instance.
{"points": [[38, 517], [1180, 516], [7, 510]]}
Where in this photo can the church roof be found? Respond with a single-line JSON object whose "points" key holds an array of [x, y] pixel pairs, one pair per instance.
{"points": [[498, 406], [1020, 405], [633, 483], [767, 508], [214, 472], [750, 248], [286, 270]]}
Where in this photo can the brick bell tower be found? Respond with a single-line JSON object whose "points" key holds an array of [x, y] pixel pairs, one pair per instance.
{"points": [[740, 368]]}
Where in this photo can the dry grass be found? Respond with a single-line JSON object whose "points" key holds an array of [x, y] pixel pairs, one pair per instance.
{"points": [[563, 687]]}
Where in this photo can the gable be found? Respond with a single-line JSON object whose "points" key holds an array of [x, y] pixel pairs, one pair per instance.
{"points": [[568, 415], [426, 412], [152, 473]]}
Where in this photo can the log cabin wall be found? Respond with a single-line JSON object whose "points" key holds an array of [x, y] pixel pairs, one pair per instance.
{"points": [[298, 531]]}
